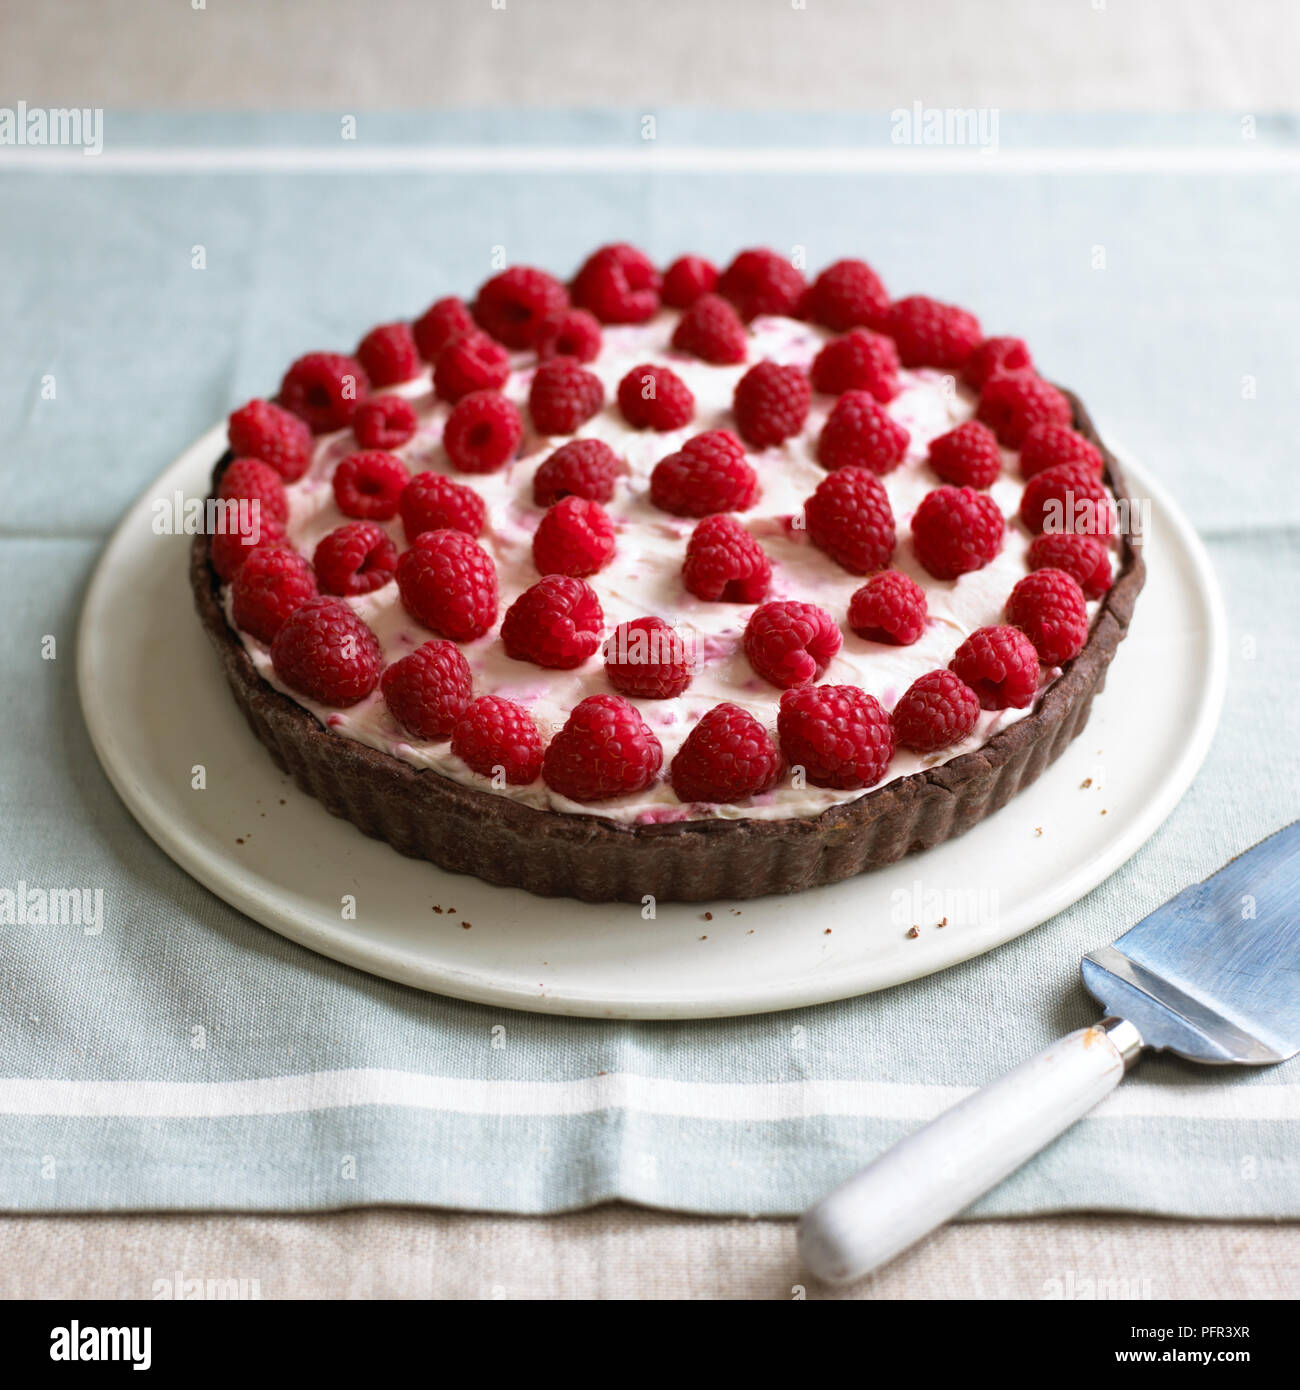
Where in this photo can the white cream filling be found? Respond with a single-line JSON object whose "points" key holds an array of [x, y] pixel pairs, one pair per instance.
{"points": [[644, 576]]}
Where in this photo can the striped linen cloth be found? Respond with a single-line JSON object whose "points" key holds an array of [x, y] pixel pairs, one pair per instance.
{"points": [[316, 1086]]}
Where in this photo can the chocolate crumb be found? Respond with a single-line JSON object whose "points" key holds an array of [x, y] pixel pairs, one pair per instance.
{"points": [[827, 932], [704, 938], [914, 931], [1103, 811], [944, 923], [437, 909], [708, 916], [283, 802], [239, 839], [467, 925], [1085, 784]]}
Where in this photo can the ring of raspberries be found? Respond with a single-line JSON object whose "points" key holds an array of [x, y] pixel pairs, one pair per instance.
{"points": [[688, 498]]}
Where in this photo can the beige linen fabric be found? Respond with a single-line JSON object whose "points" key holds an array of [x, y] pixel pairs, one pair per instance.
{"points": [[621, 1252], [1127, 55]]}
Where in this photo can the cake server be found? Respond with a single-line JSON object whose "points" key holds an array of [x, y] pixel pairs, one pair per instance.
{"points": [[1213, 975]]}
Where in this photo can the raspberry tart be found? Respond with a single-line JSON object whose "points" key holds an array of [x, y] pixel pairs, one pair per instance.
{"points": [[687, 584]]}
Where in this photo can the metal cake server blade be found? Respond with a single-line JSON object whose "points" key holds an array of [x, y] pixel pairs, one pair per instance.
{"points": [[1213, 975]]}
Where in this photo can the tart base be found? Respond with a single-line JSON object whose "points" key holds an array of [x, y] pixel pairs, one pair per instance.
{"points": [[424, 815]]}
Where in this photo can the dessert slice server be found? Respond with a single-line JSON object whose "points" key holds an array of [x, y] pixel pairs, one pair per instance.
{"points": [[1213, 975]]}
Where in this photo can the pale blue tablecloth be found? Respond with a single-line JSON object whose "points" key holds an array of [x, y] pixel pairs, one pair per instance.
{"points": [[1184, 346]]}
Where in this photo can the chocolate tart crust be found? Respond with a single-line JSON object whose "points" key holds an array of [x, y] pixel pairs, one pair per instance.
{"points": [[425, 815]]}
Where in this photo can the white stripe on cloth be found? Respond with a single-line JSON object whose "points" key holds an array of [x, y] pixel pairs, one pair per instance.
{"points": [[722, 1101], [628, 158]]}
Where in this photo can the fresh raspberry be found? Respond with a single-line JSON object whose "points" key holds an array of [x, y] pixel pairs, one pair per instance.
{"points": [[712, 331], [557, 623], [496, 737], [967, 456], [274, 435], [324, 389], [575, 537], [655, 398], [1049, 608], [1067, 498], [433, 502], [838, 734], [251, 480], [771, 403], [1013, 403], [1000, 665], [482, 432], [709, 473], [368, 485], [570, 333], [472, 362], [936, 711], [761, 282], [325, 652], [581, 468], [356, 558], [384, 422], [848, 294], [649, 659], [860, 433], [619, 284], [429, 690], [564, 395], [389, 355], [889, 607], [440, 325], [1083, 557], [849, 517], [956, 530], [604, 750], [229, 548], [511, 306], [1046, 445], [449, 583], [995, 357], [687, 279], [724, 563], [930, 334], [271, 584], [859, 361], [790, 643], [727, 756]]}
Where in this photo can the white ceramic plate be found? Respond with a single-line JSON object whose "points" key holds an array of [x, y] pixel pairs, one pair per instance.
{"points": [[157, 705]]}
